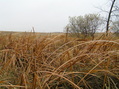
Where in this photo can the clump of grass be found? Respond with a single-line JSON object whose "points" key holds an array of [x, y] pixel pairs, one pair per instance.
{"points": [[30, 61]]}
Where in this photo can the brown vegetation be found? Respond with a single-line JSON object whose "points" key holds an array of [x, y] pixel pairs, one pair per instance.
{"points": [[31, 61]]}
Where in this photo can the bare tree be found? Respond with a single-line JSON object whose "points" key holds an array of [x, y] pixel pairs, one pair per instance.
{"points": [[84, 25], [115, 28], [93, 22]]}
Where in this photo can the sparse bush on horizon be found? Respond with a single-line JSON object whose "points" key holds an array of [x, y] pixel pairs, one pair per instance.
{"points": [[84, 26]]}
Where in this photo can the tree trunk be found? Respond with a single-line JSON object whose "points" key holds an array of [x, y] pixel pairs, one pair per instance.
{"points": [[109, 15]]}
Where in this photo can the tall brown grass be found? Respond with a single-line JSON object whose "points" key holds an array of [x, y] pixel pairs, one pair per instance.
{"points": [[31, 61]]}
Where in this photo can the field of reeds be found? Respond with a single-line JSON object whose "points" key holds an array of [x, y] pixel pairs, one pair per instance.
{"points": [[34, 61]]}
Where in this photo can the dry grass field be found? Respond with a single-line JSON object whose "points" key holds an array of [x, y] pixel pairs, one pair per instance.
{"points": [[35, 61]]}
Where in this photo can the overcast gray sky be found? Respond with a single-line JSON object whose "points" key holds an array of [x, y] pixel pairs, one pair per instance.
{"points": [[43, 15]]}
